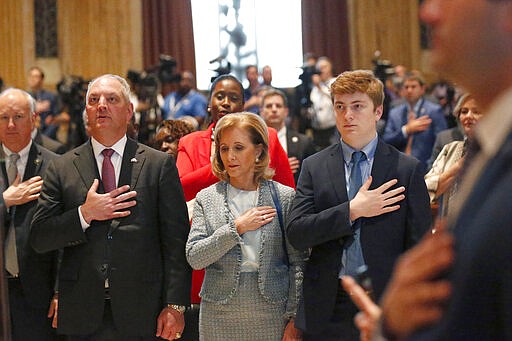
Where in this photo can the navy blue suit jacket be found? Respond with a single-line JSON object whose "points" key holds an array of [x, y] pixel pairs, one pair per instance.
{"points": [[319, 220], [422, 142], [481, 304]]}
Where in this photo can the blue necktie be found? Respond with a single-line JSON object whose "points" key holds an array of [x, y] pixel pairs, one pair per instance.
{"points": [[352, 257]]}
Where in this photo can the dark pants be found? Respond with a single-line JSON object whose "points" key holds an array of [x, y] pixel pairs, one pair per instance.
{"points": [[191, 331], [109, 332], [27, 322], [341, 326]]}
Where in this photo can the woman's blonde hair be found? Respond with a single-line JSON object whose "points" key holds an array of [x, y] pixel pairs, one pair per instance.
{"points": [[460, 103], [258, 134]]}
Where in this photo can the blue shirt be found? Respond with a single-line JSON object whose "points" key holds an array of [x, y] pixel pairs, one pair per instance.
{"points": [[352, 256], [366, 166], [192, 104]]}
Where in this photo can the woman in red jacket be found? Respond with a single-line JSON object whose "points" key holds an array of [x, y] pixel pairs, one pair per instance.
{"points": [[195, 150]]}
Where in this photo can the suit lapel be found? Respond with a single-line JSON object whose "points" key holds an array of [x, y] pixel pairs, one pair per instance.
{"points": [[336, 171], [380, 167], [291, 145], [133, 160], [34, 162], [85, 164], [4, 170]]}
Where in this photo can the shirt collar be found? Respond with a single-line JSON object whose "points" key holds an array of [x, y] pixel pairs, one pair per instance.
{"points": [[417, 106], [22, 153], [368, 150], [494, 127], [281, 132], [118, 147]]}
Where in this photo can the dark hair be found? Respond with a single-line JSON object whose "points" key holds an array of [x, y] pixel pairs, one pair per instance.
{"points": [[171, 130], [274, 92], [38, 69], [225, 77], [414, 76], [250, 66]]}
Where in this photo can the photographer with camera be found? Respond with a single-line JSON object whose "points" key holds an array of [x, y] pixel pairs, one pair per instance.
{"points": [[323, 120]]}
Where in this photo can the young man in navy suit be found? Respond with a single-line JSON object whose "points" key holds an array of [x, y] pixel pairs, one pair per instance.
{"points": [[413, 126], [471, 298], [358, 202]]}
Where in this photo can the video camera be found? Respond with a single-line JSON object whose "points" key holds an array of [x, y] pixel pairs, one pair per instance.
{"points": [[72, 91], [146, 83], [382, 67]]}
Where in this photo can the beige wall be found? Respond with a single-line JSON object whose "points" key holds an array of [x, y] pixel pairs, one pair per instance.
{"points": [[98, 36], [390, 26], [95, 37]]}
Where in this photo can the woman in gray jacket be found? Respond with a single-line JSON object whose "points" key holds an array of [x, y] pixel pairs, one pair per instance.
{"points": [[253, 276]]}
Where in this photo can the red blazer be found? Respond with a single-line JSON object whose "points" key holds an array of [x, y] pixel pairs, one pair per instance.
{"points": [[195, 170]]}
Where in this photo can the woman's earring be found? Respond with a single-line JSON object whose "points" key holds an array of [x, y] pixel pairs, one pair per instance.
{"points": [[257, 159]]}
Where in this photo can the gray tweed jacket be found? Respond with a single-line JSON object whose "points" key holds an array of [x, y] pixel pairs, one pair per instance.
{"points": [[214, 244]]}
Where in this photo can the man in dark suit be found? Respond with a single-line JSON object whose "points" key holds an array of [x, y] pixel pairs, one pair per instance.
{"points": [[123, 274], [413, 126], [47, 142], [30, 276], [470, 300], [274, 110], [367, 211]]}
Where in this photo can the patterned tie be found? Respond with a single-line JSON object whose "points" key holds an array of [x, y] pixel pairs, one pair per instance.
{"points": [[11, 258], [108, 175], [13, 167], [352, 257]]}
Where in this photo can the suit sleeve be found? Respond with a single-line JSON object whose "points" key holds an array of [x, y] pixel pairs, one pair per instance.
{"points": [[204, 248], [174, 228], [393, 131], [432, 177], [279, 161], [296, 267], [52, 227], [308, 225], [419, 217], [193, 179]]}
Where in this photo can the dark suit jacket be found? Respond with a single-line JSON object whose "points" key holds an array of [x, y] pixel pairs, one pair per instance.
{"points": [[443, 138], [37, 272], [49, 143], [422, 142], [300, 146], [481, 304], [320, 220], [142, 254]]}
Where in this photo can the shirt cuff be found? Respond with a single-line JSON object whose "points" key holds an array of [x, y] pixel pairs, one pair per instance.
{"points": [[404, 131], [82, 220]]}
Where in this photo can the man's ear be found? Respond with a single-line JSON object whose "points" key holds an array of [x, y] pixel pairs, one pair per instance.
{"points": [[378, 112]]}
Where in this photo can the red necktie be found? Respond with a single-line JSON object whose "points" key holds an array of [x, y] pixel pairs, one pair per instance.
{"points": [[108, 175]]}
